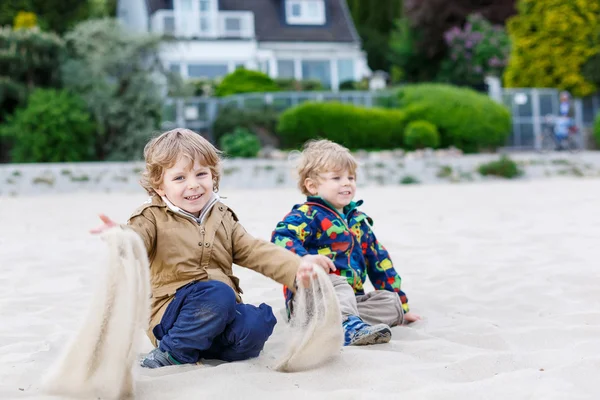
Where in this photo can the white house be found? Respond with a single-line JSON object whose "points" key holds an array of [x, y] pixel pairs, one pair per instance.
{"points": [[300, 39]]}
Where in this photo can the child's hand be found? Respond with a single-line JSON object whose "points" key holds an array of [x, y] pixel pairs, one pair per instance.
{"points": [[306, 269], [321, 261], [107, 224], [411, 317]]}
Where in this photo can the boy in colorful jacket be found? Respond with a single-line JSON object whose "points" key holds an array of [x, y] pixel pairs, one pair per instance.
{"points": [[329, 223]]}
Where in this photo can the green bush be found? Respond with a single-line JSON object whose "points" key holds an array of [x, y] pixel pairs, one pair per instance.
{"points": [[291, 85], [504, 167], [54, 126], [464, 118], [352, 126], [240, 143], [421, 134], [245, 81], [261, 122], [597, 130]]}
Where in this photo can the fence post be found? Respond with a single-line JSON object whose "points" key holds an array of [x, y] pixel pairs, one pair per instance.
{"points": [[578, 105], [180, 112], [537, 121], [211, 111]]}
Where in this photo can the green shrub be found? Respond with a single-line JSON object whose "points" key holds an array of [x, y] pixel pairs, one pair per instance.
{"points": [[352, 126], [504, 167], [261, 122], [464, 118], [240, 143], [290, 85], [245, 81], [597, 130], [421, 134], [54, 126]]}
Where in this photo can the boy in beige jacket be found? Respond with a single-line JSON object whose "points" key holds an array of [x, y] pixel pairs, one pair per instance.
{"points": [[192, 240]]}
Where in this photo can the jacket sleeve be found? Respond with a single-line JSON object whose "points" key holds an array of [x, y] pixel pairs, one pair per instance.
{"points": [[292, 232], [263, 257], [380, 269], [144, 225]]}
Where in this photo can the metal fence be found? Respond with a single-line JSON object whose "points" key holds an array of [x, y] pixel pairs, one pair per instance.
{"points": [[199, 113], [528, 107]]}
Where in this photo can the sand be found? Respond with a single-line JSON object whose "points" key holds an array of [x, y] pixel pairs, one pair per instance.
{"points": [[505, 275]]}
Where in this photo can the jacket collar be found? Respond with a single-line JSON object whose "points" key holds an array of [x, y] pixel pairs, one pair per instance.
{"points": [[347, 210], [214, 198]]}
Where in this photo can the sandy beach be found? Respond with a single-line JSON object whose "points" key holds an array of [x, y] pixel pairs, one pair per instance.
{"points": [[505, 275]]}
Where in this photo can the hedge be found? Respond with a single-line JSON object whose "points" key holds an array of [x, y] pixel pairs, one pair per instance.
{"points": [[464, 118], [352, 126]]}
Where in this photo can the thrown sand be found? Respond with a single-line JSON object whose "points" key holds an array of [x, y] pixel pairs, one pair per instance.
{"points": [[505, 274]]}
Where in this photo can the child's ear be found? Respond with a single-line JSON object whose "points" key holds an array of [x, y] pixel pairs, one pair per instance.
{"points": [[160, 191], [310, 186]]}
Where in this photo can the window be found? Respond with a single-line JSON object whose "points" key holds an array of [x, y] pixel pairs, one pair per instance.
{"points": [[345, 70], [317, 70], [207, 70], [204, 5], [186, 5], [305, 12], [204, 24], [285, 69], [169, 25], [232, 25]]}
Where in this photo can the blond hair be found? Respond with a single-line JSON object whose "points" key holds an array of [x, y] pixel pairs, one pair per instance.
{"points": [[321, 156], [164, 151]]}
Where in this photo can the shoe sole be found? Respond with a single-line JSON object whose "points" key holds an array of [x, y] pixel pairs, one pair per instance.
{"points": [[379, 337]]}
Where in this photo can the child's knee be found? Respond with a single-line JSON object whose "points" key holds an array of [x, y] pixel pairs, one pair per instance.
{"points": [[252, 327], [217, 295]]}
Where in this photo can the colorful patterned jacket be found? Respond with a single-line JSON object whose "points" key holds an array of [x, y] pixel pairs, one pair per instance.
{"points": [[315, 227]]}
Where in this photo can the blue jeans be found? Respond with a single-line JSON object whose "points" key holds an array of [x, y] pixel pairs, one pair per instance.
{"points": [[205, 321]]}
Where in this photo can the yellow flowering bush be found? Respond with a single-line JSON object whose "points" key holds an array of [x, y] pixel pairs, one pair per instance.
{"points": [[551, 41], [25, 20]]}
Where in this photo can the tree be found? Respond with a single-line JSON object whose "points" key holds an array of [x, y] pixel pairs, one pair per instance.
{"points": [[123, 82], [375, 20], [53, 15], [54, 126], [430, 19], [29, 59], [552, 41], [474, 52]]}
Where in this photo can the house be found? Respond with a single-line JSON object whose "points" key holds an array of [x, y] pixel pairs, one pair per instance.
{"points": [[300, 39]]}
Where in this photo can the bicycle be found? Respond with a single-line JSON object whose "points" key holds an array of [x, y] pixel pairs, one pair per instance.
{"points": [[550, 141]]}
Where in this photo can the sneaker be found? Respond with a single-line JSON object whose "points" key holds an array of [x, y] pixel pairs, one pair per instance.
{"points": [[158, 358], [359, 333]]}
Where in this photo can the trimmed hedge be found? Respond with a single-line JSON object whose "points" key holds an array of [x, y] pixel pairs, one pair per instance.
{"points": [[464, 118], [351, 126], [421, 134], [262, 122], [245, 81], [240, 143]]}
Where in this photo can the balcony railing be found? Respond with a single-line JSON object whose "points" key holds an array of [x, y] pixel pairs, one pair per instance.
{"points": [[224, 24]]}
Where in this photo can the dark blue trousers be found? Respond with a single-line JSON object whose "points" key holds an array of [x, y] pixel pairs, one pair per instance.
{"points": [[204, 321]]}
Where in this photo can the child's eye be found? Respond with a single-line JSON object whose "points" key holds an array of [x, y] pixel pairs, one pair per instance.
{"points": [[201, 174], [178, 178], [351, 178], [336, 178]]}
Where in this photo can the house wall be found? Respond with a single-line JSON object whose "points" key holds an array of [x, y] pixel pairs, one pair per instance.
{"points": [[222, 53], [133, 14], [331, 52]]}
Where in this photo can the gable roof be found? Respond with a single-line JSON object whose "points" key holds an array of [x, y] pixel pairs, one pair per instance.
{"points": [[270, 24]]}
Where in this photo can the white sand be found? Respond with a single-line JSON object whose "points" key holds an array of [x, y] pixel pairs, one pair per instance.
{"points": [[506, 276]]}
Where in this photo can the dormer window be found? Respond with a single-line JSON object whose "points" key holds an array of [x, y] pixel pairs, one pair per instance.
{"points": [[305, 12]]}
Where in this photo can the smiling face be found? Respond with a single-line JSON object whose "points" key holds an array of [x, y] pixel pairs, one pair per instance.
{"points": [[186, 185], [335, 187]]}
